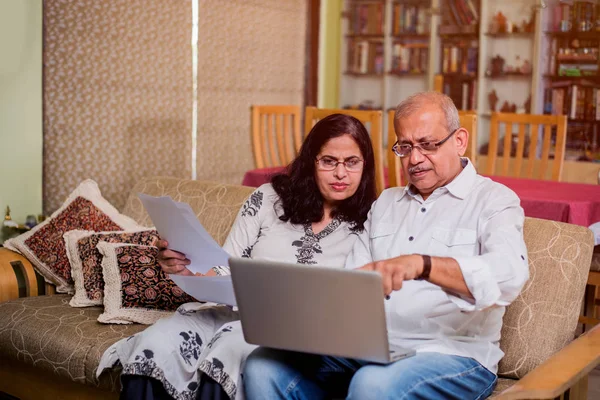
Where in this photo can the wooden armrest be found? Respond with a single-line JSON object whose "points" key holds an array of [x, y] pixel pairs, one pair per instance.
{"points": [[13, 267], [561, 371]]}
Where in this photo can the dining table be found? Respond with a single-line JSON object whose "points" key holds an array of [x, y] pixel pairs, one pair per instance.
{"points": [[574, 203]]}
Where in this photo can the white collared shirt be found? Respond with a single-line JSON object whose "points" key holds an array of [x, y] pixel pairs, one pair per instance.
{"points": [[474, 220]]}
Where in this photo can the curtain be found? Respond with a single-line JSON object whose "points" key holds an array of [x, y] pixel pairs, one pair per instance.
{"points": [[249, 52], [117, 94], [118, 88]]}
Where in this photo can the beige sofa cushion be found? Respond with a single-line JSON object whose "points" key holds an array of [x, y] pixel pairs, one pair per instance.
{"points": [[216, 205], [542, 320], [502, 385], [48, 333]]}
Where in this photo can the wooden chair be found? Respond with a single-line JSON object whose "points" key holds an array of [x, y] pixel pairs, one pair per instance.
{"points": [[589, 315], [276, 128], [370, 118], [467, 120], [534, 122]]}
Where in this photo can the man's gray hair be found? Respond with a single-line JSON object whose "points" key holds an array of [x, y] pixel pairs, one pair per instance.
{"points": [[413, 103]]}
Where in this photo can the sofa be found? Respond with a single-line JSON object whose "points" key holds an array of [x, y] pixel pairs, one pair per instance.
{"points": [[51, 350]]}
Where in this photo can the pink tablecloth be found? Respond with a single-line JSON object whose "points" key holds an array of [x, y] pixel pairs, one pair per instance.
{"points": [[575, 203]]}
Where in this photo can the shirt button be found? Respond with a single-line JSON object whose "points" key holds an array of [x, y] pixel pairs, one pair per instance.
{"points": [[423, 209], [410, 238]]}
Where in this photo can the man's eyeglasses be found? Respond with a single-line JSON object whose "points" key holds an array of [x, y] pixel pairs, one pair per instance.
{"points": [[352, 164], [426, 148]]}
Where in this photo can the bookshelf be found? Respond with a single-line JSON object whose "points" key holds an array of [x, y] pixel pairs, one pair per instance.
{"points": [[459, 49], [571, 80], [394, 60], [457, 39], [488, 57]]}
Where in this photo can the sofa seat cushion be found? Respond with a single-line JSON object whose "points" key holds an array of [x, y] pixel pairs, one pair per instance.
{"points": [[502, 385], [46, 332]]}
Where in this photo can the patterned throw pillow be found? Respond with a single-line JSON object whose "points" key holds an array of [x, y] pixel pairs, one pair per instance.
{"points": [[86, 260], [135, 287], [86, 209]]}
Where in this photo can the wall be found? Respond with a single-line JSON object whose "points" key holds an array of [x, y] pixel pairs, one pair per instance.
{"points": [[329, 53], [21, 107]]}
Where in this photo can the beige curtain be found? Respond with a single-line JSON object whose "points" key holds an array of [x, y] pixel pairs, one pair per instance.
{"points": [[250, 52], [117, 94]]}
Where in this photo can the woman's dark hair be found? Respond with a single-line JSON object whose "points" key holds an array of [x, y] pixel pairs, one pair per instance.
{"points": [[297, 188]]}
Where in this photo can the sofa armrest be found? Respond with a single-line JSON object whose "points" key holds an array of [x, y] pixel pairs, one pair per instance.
{"points": [[15, 268], [564, 370]]}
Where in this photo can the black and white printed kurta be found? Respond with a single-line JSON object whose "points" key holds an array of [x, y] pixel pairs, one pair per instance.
{"points": [[207, 338]]}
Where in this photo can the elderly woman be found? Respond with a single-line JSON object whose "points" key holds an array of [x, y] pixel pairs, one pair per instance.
{"points": [[308, 215]]}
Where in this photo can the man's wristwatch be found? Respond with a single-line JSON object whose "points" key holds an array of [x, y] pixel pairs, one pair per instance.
{"points": [[426, 268]]}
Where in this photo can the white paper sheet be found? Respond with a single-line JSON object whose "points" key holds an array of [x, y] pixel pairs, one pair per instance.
{"points": [[177, 224], [216, 289]]}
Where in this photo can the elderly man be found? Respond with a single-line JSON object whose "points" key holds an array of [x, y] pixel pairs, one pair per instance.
{"points": [[450, 250]]}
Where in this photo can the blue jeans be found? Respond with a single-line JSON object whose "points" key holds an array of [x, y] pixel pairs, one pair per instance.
{"points": [[278, 374]]}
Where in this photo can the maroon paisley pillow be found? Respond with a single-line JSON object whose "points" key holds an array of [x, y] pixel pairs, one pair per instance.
{"points": [[86, 260], [44, 247], [136, 289]]}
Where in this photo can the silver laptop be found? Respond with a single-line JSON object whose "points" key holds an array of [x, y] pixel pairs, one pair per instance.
{"points": [[330, 311]]}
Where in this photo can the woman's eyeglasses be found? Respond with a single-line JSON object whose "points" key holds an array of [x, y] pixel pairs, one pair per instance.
{"points": [[352, 164], [426, 148]]}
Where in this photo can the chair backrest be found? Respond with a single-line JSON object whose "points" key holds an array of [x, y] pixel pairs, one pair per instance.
{"points": [[467, 120], [395, 177], [513, 156], [372, 121], [543, 318], [276, 135], [438, 83]]}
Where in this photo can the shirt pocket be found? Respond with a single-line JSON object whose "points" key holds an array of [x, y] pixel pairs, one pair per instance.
{"points": [[382, 230], [453, 242], [381, 238]]}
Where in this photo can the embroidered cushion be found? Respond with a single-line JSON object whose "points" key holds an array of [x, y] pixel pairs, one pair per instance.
{"points": [[86, 209], [86, 260], [135, 287]]}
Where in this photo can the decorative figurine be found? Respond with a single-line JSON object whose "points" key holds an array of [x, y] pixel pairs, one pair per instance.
{"points": [[527, 105], [30, 221], [513, 108], [526, 67], [499, 23], [505, 107], [517, 66], [497, 65], [493, 100], [8, 222], [529, 26]]}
